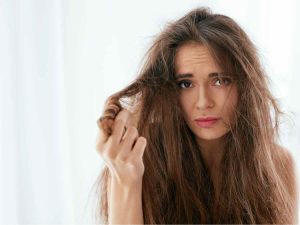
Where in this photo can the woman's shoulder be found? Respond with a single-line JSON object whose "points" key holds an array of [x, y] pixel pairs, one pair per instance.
{"points": [[284, 154], [285, 158], [286, 167]]}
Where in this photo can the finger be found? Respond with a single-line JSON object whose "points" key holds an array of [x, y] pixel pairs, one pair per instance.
{"points": [[128, 141], [100, 140], [112, 107], [111, 110], [105, 126], [138, 149], [119, 125]]}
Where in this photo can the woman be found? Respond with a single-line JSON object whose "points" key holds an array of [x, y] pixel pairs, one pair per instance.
{"points": [[193, 139]]}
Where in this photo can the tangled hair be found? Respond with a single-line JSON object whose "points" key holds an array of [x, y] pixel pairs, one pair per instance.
{"points": [[176, 184]]}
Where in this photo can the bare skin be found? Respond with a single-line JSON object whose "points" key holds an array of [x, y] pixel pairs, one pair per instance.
{"points": [[289, 176], [213, 163], [123, 155], [203, 95]]}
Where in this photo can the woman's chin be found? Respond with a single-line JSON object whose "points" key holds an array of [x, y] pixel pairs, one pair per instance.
{"points": [[210, 135]]}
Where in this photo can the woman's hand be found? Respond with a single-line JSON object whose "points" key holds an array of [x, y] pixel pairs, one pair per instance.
{"points": [[122, 153]]}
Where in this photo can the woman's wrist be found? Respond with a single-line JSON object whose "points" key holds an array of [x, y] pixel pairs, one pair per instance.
{"points": [[126, 190], [126, 203]]}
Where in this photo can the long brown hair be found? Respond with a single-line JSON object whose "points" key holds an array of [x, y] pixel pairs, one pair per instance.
{"points": [[176, 184]]}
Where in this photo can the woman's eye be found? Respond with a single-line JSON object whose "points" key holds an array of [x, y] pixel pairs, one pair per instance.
{"points": [[222, 81], [184, 84]]}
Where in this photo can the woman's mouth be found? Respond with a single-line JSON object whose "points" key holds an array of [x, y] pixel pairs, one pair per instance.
{"points": [[206, 122]]}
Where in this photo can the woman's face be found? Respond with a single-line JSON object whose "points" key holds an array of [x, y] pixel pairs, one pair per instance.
{"points": [[204, 91]]}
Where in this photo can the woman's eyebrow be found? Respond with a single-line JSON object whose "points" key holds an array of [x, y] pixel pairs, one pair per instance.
{"points": [[184, 75]]}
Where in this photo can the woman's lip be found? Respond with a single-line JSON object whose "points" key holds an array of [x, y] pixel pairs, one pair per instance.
{"points": [[207, 118], [206, 123]]}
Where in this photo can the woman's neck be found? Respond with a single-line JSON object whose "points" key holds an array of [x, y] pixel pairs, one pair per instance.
{"points": [[212, 152]]}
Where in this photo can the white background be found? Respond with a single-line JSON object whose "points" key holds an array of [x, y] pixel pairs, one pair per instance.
{"points": [[60, 60]]}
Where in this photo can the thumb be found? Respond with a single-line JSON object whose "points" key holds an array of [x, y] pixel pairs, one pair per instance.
{"points": [[105, 128]]}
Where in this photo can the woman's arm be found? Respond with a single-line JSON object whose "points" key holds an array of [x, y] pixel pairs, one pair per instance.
{"points": [[123, 155], [125, 203]]}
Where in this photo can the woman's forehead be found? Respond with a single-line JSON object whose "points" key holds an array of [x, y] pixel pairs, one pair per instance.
{"points": [[194, 56]]}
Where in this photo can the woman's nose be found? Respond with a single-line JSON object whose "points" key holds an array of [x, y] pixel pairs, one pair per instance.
{"points": [[204, 100]]}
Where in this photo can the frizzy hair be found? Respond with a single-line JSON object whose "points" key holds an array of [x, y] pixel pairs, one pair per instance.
{"points": [[176, 185]]}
